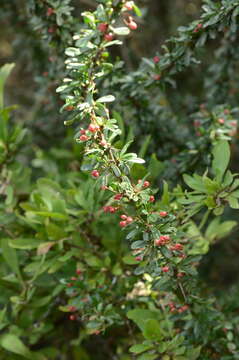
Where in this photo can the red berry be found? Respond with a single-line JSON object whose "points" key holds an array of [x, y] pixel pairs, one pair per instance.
{"points": [[165, 269], [102, 27], [49, 12], [132, 25], [138, 258], [185, 308], [123, 224], [221, 121], [118, 196], [151, 199], [129, 5], [158, 242], [70, 108], [51, 30], [180, 274], [95, 173], [146, 184], [83, 138], [165, 238], [72, 317], [123, 217], [178, 247], [163, 213], [73, 278], [93, 128], [156, 59], [69, 285], [109, 37], [82, 131], [156, 77], [78, 272], [129, 220], [103, 143], [112, 209], [72, 308]]}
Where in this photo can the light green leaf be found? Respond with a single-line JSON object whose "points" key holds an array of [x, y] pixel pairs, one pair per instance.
{"points": [[13, 344], [107, 98], [4, 73], [221, 158]]}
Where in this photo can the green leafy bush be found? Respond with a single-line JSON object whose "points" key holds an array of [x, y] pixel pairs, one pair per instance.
{"points": [[110, 233]]}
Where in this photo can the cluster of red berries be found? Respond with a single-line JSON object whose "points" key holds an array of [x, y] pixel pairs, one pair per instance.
{"points": [[176, 247], [126, 220], [174, 308], [162, 240], [197, 28], [92, 129], [110, 209], [103, 27], [145, 184]]}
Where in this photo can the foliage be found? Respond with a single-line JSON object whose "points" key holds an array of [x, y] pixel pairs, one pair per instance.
{"points": [[98, 246]]}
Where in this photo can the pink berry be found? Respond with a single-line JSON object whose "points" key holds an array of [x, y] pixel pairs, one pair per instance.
{"points": [[156, 77], [158, 242], [156, 59], [151, 199], [95, 173], [93, 128], [129, 220], [82, 131], [109, 37], [132, 25], [72, 308], [83, 138], [129, 5], [72, 317], [180, 274], [123, 224], [163, 213], [102, 27], [221, 121], [73, 278], [118, 196], [165, 237], [138, 258], [165, 269], [104, 187], [146, 184], [49, 12], [123, 217], [112, 209], [103, 143], [78, 272]]}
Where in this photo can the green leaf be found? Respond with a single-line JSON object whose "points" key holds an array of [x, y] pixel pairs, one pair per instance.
{"points": [[139, 348], [137, 10], [4, 73], [107, 98], [122, 31], [152, 330], [10, 256], [194, 183], [221, 158], [13, 344], [24, 243]]}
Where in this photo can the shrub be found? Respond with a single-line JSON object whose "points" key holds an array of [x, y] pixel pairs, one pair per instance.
{"points": [[105, 254]]}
